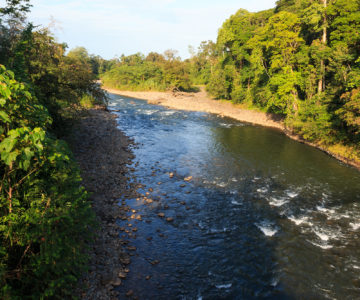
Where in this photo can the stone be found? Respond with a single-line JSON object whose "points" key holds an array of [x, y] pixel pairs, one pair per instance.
{"points": [[188, 178], [116, 282]]}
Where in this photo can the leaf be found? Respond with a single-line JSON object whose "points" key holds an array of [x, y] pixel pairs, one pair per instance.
{"points": [[9, 157], [7, 144], [4, 117]]}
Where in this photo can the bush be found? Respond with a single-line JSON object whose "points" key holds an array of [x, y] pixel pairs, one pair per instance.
{"points": [[44, 213]]}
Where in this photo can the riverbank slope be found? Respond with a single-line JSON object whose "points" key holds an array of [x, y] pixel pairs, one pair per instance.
{"points": [[201, 102]]}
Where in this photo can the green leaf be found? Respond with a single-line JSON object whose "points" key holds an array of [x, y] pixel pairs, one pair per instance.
{"points": [[4, 117], [9, 157], [7, 144]]}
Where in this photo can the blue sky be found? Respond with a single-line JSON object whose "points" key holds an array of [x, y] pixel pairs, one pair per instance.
{"points": [[114, 27]]}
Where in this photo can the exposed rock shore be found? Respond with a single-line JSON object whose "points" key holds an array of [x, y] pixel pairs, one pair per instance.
{"points": [[103, 154]]}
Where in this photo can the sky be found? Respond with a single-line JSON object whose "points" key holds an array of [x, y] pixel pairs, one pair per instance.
{"points": [[110, 28]]}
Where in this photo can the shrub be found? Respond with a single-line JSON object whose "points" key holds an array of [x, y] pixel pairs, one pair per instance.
{"points": [[45, 217]]}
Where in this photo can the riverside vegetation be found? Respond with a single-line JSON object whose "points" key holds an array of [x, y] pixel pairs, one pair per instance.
{"points": [[45, 215], [300, 60]]}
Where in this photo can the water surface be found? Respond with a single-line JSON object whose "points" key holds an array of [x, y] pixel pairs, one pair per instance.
{"points": [[262, 217]]}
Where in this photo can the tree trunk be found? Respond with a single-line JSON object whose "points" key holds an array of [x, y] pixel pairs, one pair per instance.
{"points": [[321, 85]]}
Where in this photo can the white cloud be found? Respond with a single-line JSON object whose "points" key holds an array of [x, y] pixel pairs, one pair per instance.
{"points": [[110, 27]]}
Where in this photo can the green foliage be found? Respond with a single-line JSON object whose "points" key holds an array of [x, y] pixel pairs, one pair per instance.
{"points": [[59, 82], [15, 7], [44, 214], [300, 60], [202, 63], [45, 218], [349, 113], [145, 76], [155, 72]]}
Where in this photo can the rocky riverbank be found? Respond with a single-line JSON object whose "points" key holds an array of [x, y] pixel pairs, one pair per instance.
{"points": [[199, 101], [103, 154]]}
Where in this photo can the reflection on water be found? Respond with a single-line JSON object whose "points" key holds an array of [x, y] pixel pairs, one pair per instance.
{"points": [[262, 217]]}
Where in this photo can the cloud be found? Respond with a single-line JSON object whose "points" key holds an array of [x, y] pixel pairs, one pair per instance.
{"points": [[110, 27]]}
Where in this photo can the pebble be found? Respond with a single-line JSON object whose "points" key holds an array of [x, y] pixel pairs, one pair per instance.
{"points": [[129, 293], [116, 282], [161, 215], [169, 219], [188, 178]]}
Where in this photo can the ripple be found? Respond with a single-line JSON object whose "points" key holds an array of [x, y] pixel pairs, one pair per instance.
{"points": [[278, 202], [298, 220], [324, 246], [223, 286], [235, 202], [262, 190], [355, 226], [267, 228], [291, 194]]}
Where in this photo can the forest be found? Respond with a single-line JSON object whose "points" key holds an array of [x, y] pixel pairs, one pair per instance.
{"points": [[300, 60]]}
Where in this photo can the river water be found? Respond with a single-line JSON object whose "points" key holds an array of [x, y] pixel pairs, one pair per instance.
{"points": [[263, 216]]}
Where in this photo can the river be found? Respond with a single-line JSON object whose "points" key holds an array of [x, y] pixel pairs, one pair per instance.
{"points": [[262, 216]]}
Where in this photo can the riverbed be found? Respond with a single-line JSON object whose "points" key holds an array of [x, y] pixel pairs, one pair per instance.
{"points": [[234, 211]]}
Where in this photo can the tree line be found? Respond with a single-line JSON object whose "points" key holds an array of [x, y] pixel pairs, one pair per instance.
{"points": [[299, 60]]}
